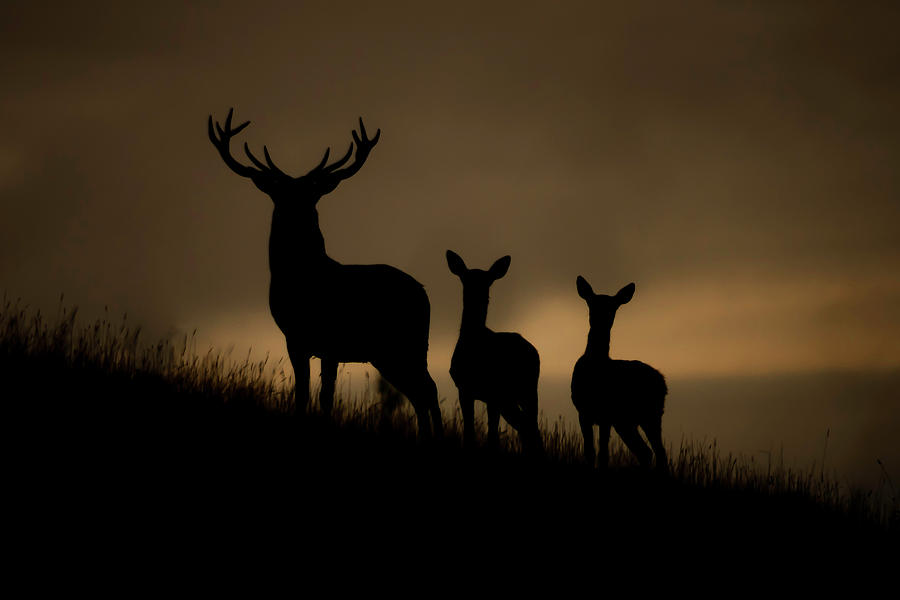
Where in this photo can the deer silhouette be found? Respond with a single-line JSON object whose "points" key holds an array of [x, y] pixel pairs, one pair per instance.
{"points": [[500, 369], [625, 394], [336, 312]]}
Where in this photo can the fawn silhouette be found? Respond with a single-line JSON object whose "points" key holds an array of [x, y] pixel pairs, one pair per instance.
{"points": [[625, 394], [338, 313], [500, 369]]}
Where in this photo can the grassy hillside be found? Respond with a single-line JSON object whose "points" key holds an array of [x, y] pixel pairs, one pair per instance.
{"points": [[105, 431]]}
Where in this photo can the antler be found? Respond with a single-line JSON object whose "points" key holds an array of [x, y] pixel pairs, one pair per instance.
{"points": [[364, 145], [222, 142]]}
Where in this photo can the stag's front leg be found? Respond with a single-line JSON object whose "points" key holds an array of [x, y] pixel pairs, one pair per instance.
{"points": [[587, 432], [300, 362], [603, 445], [326, 393]]}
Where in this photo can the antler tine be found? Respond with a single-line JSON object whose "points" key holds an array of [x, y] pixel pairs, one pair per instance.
{"points": [[255, 160], [269, 168], [362, 131], [238, 129], [228, 131], [271, 164], [364, 145], [228, 119], [319, 167], [338, 163], [222, 142], [321, 164], [212, 132]]}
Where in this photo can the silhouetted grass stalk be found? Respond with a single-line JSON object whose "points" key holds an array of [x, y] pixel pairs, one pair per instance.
{"points": [[100, 347], [27, 338]]}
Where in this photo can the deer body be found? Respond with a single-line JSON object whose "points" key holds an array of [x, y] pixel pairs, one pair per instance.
{"points": [[335, 312], [499, 368], [624, 394], [366, 330]]}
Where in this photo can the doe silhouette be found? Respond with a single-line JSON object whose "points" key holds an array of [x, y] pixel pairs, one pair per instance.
{"points": [[625, 394], [338, 313], [500, 369]]}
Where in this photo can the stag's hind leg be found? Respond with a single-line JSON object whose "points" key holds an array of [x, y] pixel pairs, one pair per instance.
{"points": [[420, 390], [653, 429], [635, 443], [430, 399], [531, 427], [527, 425], [524, 421], [300, 362]]}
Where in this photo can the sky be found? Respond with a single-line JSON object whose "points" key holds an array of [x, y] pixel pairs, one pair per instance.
{"points": [[736, 160]]}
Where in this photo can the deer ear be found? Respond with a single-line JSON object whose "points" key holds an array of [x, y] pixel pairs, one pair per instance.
{"points": [[456, 264], [584, 288], [500, 267], [625, 294]]}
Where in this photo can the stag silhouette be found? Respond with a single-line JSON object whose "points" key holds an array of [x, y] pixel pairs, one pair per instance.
{"points": [[338, 313], [500, 369], [625, 394]]}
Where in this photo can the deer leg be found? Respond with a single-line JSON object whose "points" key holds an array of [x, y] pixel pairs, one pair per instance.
{"points": [[587, 432], [603, 445], [326, 393], [300, 362], [421, 393], [493, 426], [653, 429], [421, 406], [430, 397], [515, 419], [525, 424], [467, 406], [635, 443]]}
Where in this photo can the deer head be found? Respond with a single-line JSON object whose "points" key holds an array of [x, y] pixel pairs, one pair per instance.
{"points": [[603, 308], [476, 288], [477, 282], [279, 186]]}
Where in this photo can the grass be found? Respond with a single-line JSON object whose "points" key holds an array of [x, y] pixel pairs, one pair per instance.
{"points": [[92, 411]]}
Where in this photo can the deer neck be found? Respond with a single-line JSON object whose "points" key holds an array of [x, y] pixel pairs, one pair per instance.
{"points": [[294, 248], [474, 316], [597, 344]]}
